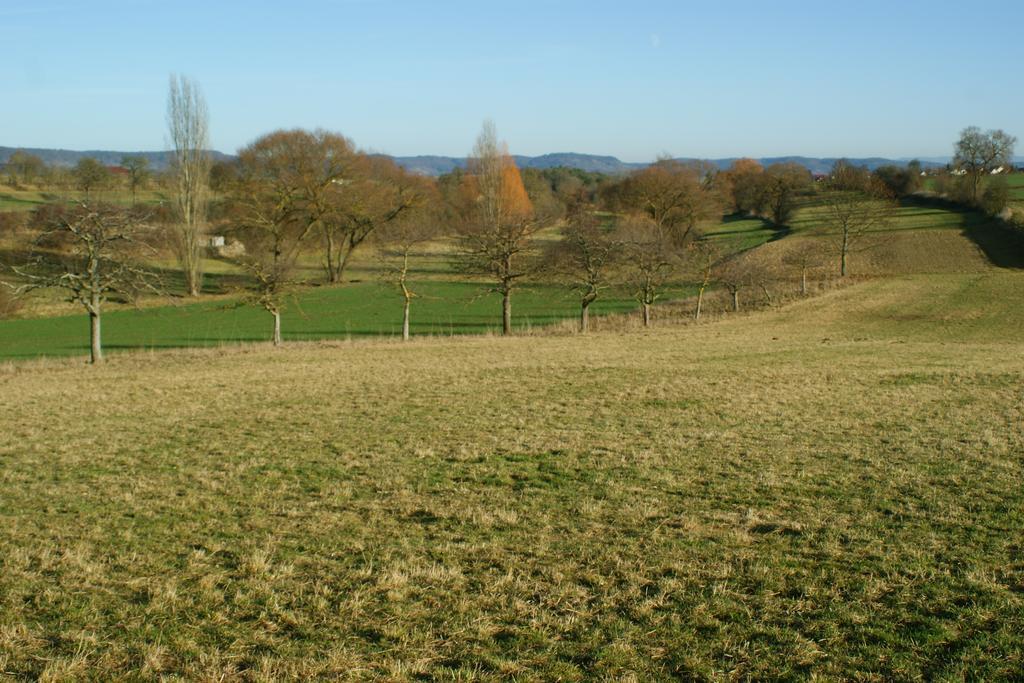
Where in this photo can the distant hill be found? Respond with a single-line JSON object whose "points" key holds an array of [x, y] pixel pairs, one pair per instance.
{"points": [[67, 158], [433, 165], [437, 165]]}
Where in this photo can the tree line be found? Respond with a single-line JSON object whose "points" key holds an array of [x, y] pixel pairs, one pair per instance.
{"points": [[298, 192]]}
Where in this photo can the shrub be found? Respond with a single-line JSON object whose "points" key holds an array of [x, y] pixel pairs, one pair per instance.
{"points": [[996, 196]]}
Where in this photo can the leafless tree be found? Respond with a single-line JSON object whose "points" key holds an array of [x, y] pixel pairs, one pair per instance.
{"points": [[807, 257], [735, 274], [188, 124], [744, 184], [781, 186], [90, 175], [853, 217], [91, 252], [273, 210], [373, 192], [496, 222], [397, 243], [673, 195], [138, 172], [704, 255], [848, 177], [649, 260], [24, 167], [586, 255], [977, 153]]}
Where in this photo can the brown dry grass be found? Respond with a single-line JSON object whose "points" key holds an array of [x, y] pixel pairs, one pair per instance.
{"points": [[828, 490]]}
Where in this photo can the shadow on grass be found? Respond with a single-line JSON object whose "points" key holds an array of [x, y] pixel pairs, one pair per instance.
{"points": [[1001, 241], [776, 231], [172, 280]]}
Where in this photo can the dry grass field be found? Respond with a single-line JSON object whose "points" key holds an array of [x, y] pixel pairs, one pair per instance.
{"points": [[831, 489]]}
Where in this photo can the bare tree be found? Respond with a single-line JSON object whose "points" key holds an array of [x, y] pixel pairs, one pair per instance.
{"points": [[673, 195], [847, 176], [763, 274], [138, 172], [853, 216], [92, 253], [586, 255], [398, 241], [743, 183], [704, 256], [735, 275], [497, 221], [274, 208], [24, 167], [782, 184], [188, 124], [977, 153], [374, 192], [807, 257], [650, 258], [90, 175]]}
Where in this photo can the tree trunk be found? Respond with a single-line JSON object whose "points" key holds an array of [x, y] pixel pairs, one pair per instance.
{"points": [[803, 282], [842, 255], [96, 343], [584, 317], [405, 321], [332, 276], [190, 260], [645, 310], [348, 248], [700, 303], [277, 327], [736, 301], [506, 312]]}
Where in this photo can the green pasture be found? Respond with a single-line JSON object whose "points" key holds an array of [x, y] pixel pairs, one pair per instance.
{"points": [[742, 233], [352, 310], [26, 200]]}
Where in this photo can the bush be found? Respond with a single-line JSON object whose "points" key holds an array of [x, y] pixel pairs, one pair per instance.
{"points": [[996, 196]]}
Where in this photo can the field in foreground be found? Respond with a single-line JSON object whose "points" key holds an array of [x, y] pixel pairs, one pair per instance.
{"points": [[832, 489]]}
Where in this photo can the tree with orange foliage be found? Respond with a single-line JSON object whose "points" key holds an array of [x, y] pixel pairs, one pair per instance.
{"points": [[497, 221]]}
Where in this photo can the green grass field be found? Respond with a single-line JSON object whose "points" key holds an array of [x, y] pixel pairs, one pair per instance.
{"points": [[828, 491], [353, 310], [28, 199], [739, 234], [1016, 183]]}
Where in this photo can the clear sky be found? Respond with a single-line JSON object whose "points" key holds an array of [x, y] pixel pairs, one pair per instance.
{"points": [[629, 78]]}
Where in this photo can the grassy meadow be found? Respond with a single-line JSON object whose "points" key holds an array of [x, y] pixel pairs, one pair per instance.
{"points": [[444, 308], [829, 490], [29, 198]]}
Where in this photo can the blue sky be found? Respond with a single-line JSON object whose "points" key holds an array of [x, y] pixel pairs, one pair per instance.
{"points": [[629, 78]]}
